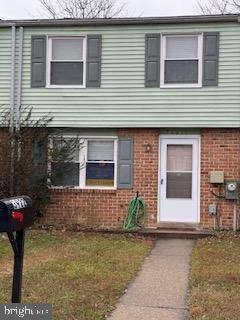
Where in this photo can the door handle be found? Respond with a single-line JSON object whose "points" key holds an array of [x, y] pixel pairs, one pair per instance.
{"points": [[162, 181]]}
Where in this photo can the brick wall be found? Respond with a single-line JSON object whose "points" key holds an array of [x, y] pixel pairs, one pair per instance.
{"points": [[220, 150], [107, 208]]}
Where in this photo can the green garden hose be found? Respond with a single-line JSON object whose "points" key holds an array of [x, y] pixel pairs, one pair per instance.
{"points": [[136, 214]]}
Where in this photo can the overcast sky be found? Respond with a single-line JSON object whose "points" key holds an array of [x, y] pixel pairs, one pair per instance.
{"points": [[29, 9]]}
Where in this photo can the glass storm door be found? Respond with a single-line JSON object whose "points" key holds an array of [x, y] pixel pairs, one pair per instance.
{"points": [[179, 171]]}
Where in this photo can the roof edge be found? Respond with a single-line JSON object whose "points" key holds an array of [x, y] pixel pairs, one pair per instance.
{"points": [[122, 21]]}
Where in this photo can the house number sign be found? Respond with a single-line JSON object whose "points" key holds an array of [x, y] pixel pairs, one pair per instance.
{"points": [[18, 203]]}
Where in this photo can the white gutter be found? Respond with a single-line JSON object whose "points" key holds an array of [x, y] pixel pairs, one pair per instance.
{"points": [[12, 91], [121, 21], [19, 83]]}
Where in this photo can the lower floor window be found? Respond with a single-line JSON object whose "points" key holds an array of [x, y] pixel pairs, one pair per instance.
{"points": [[89, 163]]}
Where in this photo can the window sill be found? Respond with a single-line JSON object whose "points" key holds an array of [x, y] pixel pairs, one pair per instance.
{"points": [[176, 86], [65, 87], [81, 190]]}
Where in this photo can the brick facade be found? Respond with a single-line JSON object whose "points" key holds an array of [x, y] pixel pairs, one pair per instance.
{"points": [[107, 208], [220, 150]]}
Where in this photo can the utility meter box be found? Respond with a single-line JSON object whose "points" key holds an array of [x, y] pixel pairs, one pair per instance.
{"points": [[231, 190], [16, 214], [217, 177], [212, 209]]}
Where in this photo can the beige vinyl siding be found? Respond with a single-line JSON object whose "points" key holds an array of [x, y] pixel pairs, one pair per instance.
{"points": [[122, 100]]}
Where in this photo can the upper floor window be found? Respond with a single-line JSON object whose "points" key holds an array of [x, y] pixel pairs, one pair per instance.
{"points": [[66, 61], [181, 63]]}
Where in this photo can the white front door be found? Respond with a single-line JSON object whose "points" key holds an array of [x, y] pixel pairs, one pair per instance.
{"points": [[179, 179]]}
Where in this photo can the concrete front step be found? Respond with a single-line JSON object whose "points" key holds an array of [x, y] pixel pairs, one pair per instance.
{"points": [[160, 233], [178, 226]]}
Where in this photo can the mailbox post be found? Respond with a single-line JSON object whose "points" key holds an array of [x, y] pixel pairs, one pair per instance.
{"points": [[18, 248], [16, 214]]}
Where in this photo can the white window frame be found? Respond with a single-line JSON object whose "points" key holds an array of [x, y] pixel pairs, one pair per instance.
{"points": [[49, 60], [163, 59], [83, 159]]}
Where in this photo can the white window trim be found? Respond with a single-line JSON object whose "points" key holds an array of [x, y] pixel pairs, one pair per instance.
{"points": [[49, 59], [163, 56], [83, 159]]}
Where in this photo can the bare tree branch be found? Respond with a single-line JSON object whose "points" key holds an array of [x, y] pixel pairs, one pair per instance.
{"points": [[83, 8], [28, 152], [218, 6], [49, 8], [236, 4]]}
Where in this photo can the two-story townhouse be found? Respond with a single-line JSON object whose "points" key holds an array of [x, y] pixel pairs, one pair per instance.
{"points": [[155, 100]]}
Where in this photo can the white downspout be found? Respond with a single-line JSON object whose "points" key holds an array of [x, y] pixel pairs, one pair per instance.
{"points": [[19, 83], [12, 91], [12, 109], [235, 220]]}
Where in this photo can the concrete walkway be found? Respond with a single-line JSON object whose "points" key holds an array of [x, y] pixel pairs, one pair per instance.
{"points": [[159, 291]]}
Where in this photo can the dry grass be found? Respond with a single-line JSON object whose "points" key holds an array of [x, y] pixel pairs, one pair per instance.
{"points": [[81, 275], [215, 293]]}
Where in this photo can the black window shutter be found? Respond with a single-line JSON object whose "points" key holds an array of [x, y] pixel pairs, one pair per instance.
{"points": [[152, 60], [125, 163], [38, 63], [94, 53], [210, 58]]}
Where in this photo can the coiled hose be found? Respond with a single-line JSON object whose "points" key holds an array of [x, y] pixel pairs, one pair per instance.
{"points": [[136, 214]]}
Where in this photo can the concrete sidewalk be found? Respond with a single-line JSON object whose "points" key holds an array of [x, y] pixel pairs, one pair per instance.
{"points": [[159, 291]]}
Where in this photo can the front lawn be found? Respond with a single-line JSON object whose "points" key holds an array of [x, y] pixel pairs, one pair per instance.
{"points": [[81, 275], [215, 276]]}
